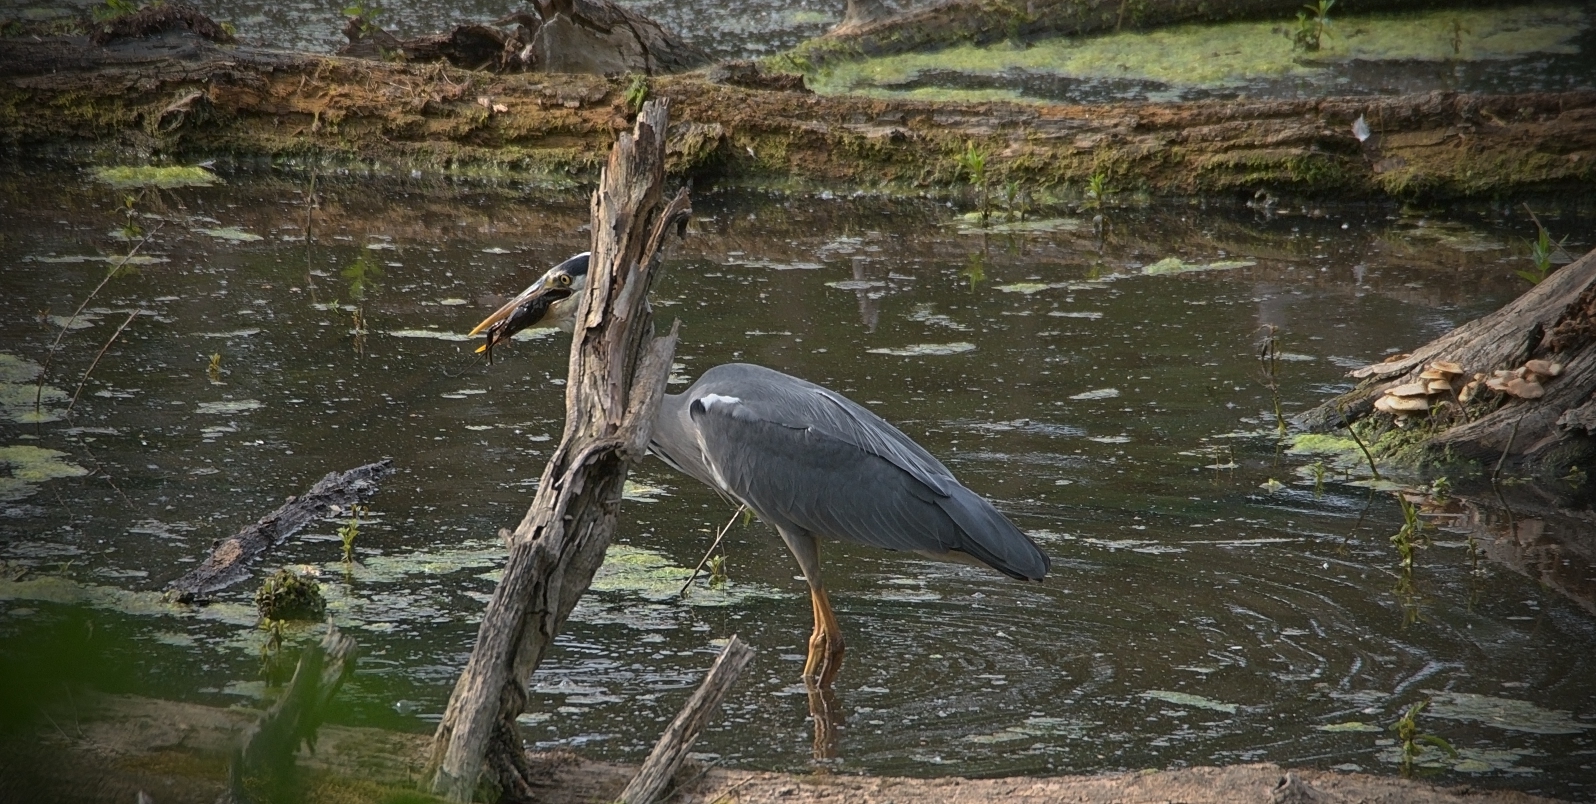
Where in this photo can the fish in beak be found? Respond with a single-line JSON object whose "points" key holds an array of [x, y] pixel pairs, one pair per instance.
{"points": [[550, 301]]}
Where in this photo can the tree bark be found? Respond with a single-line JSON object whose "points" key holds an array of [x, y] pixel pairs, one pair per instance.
{"points": [[982, 22], [672, 747], [617, 375], [185, 98], [1547, 437]]}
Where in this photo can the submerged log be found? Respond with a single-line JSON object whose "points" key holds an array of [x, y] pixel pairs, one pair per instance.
{"points": [[253, 102], [617, 376], [230, 558], [1544, 425]]}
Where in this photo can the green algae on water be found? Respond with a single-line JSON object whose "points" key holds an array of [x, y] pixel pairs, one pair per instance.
{"points": [[165, 178], [28, 466], [1510, 714], [1222, 55]]}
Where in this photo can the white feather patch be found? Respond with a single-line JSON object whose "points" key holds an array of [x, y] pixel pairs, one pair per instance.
{"points": [[709, 401]]}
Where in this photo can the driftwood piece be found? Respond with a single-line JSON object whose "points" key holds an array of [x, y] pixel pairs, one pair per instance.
{"points": [[266, 758], [662, 763], [1555, 321], [616, 378], [230, 558]]}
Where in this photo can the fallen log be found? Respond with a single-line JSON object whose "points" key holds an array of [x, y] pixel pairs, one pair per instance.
{"points": [[181, 97], [662, 763], [230, 559], [1518, 420], [617, 376]]}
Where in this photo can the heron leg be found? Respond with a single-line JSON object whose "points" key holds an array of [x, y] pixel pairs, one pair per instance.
{"points": [[825, 641]]}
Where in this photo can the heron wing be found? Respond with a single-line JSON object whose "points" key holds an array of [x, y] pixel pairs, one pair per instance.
{"points": [[809, 458]]}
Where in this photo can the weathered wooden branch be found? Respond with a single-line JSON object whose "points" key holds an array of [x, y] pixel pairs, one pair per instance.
{"points": [[230, 559], [141, 95], [672, 747], [617, 376], [1555, 321], [266, 757]]}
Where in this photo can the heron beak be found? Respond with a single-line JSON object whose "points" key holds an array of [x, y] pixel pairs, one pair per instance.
{"points": [[525, 298], [528, 308]]}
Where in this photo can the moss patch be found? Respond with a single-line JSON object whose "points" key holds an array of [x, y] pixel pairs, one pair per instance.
{"points": [[165, 178]]}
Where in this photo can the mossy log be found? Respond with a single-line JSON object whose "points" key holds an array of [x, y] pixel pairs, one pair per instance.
{"points": [[865, 33], [181, 97], [1551, 437]]}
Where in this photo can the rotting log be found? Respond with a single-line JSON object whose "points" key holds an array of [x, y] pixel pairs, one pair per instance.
{"points": [[181, 97], [550, 36], [616, 378], [231, 558], [1552, 437], [267, 754], [960, 22], [678, 738]]}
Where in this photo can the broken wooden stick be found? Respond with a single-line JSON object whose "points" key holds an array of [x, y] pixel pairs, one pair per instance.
{"points": [[230, 558], [266, 756], [679, 737]]}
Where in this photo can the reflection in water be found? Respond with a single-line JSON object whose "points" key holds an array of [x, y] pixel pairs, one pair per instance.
{"points": [[1195, 617]]}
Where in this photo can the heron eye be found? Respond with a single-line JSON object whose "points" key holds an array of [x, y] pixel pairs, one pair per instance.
{"points": [[565, 280]]}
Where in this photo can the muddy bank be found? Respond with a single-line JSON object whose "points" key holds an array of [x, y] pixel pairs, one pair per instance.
{"points": [[110, 748], [180, 98]]}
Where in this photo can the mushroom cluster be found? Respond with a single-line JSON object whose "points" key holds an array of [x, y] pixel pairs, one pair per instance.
{"points": [[1525, 382], [1437, 379]]}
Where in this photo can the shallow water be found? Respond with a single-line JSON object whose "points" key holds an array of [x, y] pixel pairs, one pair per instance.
{"points": [[1116, 414]]}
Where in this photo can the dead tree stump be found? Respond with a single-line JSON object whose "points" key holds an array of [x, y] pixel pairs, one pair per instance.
{"points": [[617, 376]]}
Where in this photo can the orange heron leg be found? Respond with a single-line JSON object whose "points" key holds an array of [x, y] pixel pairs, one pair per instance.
{"points": [[825, 642]]}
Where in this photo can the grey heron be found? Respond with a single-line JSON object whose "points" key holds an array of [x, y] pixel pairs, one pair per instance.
{"points": [[805, 459]]}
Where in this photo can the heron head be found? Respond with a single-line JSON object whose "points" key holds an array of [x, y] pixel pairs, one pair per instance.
{"points": [[550, 301]]}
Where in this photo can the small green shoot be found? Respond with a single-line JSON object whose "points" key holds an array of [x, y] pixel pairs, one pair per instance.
{"points": [[1541, 251], [1318, 470], [1411, 739], [349, 531], [637, 93], [717, 571], [1576, 476], [1313, 25], [114, 9], [214, 370], [366, 11], [972, 165], [1096, 191], [1269, 364], [1440, 488]]}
